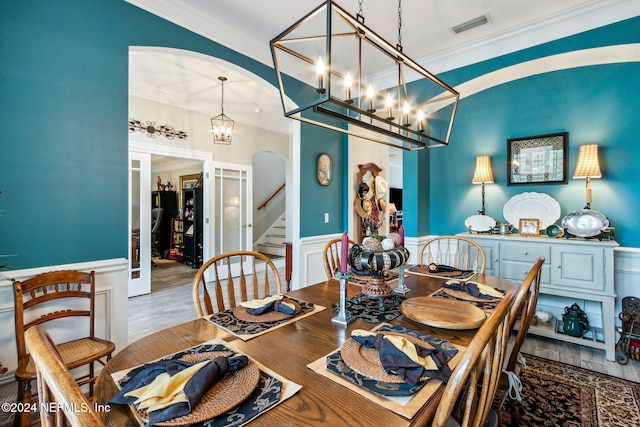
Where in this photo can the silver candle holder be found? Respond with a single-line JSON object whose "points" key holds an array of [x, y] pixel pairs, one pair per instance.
{"points": [[344, 317], [401, 288]]}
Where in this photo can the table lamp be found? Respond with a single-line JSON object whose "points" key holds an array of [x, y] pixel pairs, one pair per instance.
{"points": [[392, 211], [482, 175], [588, 167]]}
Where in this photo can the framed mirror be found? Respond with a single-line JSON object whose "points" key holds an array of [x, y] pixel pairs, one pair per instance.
{"points": [[324, 169]]}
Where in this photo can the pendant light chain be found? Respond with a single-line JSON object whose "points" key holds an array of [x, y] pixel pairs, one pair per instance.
{"points": [[360, 15], [222, 102], [400, 25]]}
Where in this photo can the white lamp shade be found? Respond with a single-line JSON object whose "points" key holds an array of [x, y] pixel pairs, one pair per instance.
{"points": [[483, 174], [588, 165]]}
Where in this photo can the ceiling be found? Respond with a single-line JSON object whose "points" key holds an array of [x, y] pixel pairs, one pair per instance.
{"points": [[189, 80]]}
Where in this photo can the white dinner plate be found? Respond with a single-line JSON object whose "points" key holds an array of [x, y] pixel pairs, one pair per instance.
{"points": [[532, 205], [480, 223]]}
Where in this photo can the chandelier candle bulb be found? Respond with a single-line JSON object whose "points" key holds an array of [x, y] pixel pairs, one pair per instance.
{"points": [[348, 82], [389, 105], [406, 109], [420, 120], [320, 71], [370, 95]]}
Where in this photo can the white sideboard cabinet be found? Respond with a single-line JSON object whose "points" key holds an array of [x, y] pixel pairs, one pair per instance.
{"points": [[574, 271]]}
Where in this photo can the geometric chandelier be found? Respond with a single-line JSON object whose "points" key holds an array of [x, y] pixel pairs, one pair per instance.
{"points": [[221, 125], [336, 73]]}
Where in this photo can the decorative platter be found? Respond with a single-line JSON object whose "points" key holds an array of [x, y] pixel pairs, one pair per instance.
{"points": [[585, 223], [480, 223], [532, 205]]}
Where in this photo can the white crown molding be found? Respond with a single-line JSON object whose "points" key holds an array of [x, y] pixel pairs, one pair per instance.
{"points": [[573, 21]]}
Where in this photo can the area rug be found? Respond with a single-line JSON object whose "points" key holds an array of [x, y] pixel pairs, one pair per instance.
{"points": [[557, 394]]}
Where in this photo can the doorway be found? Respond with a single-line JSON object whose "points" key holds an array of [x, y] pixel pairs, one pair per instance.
{"points": [[226, 205]]}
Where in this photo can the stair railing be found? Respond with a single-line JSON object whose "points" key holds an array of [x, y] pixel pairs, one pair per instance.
{"points": [[268, 199]]}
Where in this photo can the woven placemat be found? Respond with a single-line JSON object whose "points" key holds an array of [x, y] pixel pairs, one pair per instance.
{"points": [[223, 396], [366, 361], [270, 316], [465, 296]]}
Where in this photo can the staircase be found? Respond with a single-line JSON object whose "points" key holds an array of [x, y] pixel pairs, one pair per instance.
{"points": [[272, 242]]}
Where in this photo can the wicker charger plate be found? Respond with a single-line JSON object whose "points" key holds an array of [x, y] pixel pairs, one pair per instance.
{"points": [[270, 316], [465, 296], [223, 396], [366, 361]]}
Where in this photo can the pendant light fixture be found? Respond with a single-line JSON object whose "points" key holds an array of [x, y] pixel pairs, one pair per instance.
{"points": [[335, 72], [221, 125]]}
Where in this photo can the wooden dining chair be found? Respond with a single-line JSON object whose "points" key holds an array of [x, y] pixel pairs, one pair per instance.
{"points": [[331, 255], [454, 251], [236, 277], [469, 393], [58, 299], [61, 402], [522, 311]]}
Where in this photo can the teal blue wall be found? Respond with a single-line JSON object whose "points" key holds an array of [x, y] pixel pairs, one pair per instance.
{"points": [[316, 199], [63, 112], [595, 104]]}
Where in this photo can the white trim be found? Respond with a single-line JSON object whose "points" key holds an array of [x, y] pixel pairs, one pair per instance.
{"points": [[100, 266]]}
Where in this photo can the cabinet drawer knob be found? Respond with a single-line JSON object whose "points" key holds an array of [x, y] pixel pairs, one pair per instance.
{"points": [[558, 266], [495, 260], [525, 253]]}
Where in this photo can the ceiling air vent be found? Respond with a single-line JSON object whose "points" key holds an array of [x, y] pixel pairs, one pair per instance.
{"points": [[475, 22]]}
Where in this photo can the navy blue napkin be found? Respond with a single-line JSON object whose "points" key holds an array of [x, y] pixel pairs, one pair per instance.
{"points": [[394, 361], [197, 386], [272, 306], [468, 287]]}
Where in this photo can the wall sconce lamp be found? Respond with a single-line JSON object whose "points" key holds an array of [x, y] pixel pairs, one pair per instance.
{"points": [[482, 175], [588, 167]]}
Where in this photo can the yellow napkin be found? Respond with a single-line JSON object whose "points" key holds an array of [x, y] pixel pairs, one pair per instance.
{"points": [[257, 303], [405, 346], [165, 390], [488, 290]]}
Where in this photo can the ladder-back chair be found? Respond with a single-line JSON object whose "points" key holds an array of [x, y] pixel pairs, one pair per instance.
{"points": [[469, 393], [61, 401], [57, 300], [235, 277], [454, 251]]}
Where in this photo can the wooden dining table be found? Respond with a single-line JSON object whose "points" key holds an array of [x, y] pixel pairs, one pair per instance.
{"points": [[287, 351]]}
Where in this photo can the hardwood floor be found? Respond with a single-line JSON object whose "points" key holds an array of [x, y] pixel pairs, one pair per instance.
{"points": [[170, 304]]}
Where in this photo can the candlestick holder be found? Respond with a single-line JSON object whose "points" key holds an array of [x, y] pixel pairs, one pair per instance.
{"points": [[401, 288], [344, 317]]}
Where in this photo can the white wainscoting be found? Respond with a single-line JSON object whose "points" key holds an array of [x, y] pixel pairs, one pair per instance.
{"points": [[110, 305], [312, 259]]}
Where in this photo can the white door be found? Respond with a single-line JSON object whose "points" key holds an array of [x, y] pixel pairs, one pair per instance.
{"points": [[139, 223], [232, 193]]}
